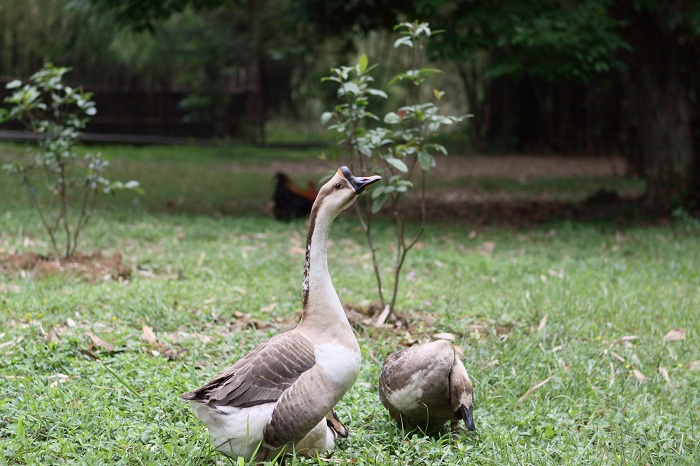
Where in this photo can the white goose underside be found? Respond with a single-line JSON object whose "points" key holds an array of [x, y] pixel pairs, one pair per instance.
{"points": [[238, 431]]}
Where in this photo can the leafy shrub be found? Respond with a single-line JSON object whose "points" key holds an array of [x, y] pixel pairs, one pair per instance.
{"points": [[404, 145], [56, 113]]}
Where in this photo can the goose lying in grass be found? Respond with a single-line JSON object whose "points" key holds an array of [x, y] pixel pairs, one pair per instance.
{"points": [[426, 385], [280, 396]]}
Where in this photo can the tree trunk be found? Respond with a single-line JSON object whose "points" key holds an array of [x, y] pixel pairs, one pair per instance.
{"points": [[663, 108], [658, 86]]}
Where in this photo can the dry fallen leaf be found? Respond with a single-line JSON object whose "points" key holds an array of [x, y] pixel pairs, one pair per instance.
{"points": [[618, 357], [150, 336], [664, 373], [52, 337], [383, 316], [641, 378], [60, 378], [99, 342], [486, 248], [675, 334], [533, 389], [626, 339], [543, 323], [444, 336], [268, 308], [70, 322], [11, 343], [694, 366]]}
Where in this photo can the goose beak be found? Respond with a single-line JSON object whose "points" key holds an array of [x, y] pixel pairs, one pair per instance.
{"points": [[467, 415], [358, 183], [334, 423]]}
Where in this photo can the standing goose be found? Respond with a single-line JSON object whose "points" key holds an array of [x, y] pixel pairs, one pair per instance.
{"points": [[282, 393], [426, 385]]}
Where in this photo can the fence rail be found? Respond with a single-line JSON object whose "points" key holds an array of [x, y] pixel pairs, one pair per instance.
{"points": [[144, 115]]}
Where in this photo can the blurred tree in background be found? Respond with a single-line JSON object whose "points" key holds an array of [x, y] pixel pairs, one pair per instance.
{"points": [[560, 76]]}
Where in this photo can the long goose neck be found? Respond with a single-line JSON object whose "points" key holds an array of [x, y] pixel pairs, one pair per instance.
{"points": [[322, 308]]}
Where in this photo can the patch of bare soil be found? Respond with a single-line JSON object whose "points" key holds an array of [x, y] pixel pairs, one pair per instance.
{"points": [[90, 267]]}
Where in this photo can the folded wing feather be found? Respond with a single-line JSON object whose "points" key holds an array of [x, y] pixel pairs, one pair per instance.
{"points": [[262, 376]]}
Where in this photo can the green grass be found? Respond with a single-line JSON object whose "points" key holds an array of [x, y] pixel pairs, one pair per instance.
{"points": [[193, 275]]}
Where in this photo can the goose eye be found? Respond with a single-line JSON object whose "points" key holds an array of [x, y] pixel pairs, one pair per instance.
{"points": [[338, 186]]}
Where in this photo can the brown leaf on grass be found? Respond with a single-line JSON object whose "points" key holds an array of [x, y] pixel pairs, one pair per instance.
{"points": [[675, 334], [70, 322], [99, 342], [485, 248], [268, 308], [150, 335], [533, 389], [664, 373], [383, 316], [626, 339], [52, 337], [61, 378], [11, 343], [444, 336], [641, 378], [88, 353], [618, 357], [612, 374], [543, 323], [694, 365]]}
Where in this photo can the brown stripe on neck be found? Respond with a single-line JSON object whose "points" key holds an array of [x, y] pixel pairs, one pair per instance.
{"points": [[307, 260]]}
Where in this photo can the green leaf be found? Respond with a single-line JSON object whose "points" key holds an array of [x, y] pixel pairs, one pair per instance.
{"points": [[426, 160], [14, 84], [377, 92], [392, 118], [397, 163], [326, 117], [378, 203], [429, 71], [378, 191], [362, 63], [406, 40], [351, 88]]}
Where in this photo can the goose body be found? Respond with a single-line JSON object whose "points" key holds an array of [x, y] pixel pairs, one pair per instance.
{"points": [[281, 395], [426, 385]]}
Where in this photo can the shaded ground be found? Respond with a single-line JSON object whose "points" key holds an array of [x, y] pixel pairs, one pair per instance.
{"points": [[95, 266], [541, 189]]}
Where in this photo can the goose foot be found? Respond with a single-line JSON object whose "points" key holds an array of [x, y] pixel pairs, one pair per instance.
{"points": [[261, 455], [455, 429]]}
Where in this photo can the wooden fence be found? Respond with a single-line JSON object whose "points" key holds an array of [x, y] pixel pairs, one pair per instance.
{"points": [[151, 116]]}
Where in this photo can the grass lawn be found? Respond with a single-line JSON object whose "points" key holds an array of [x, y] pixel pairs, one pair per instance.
{"points": [[584, 307]]}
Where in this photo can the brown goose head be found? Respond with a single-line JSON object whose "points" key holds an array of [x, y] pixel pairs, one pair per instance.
{"points": [[343, 188]]}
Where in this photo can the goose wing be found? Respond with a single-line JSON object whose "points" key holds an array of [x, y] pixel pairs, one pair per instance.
{"points": [[262, 376]]}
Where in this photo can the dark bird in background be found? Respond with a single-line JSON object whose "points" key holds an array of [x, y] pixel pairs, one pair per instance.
{"points": [[290, 200]]}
